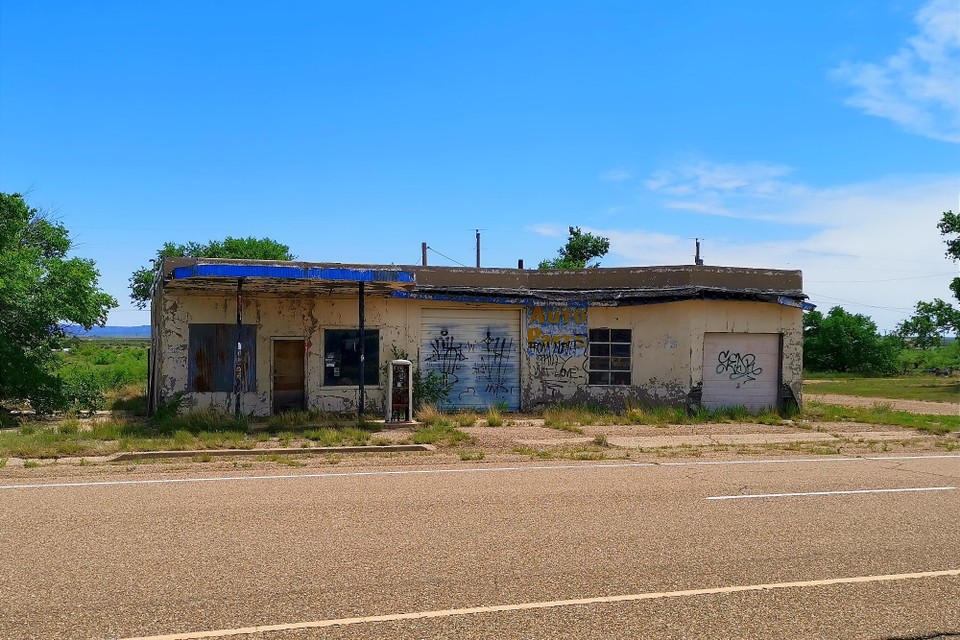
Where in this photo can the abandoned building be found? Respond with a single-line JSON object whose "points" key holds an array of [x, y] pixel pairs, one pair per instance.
{"points": [[258, 337]]}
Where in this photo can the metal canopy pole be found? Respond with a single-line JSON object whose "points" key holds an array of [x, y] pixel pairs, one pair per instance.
{"points": [[363, 354], [238, 364]]}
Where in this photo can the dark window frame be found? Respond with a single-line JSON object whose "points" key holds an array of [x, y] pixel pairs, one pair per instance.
{"points": [[335, 372], [609, 357]]}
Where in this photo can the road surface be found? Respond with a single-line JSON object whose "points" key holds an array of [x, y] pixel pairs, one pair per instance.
{"points": [[823, 548]]}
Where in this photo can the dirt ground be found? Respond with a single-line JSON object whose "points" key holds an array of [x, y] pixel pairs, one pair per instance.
{"points": [[911, 406], [527, 439]]}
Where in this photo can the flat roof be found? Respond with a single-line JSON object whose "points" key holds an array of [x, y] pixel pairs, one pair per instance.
{"points": [[596, 286]]}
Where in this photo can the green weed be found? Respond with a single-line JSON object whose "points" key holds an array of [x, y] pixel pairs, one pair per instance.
{"points": [[466, 418], [542, 454], [883, 414], [439, 433], [287, 460]]}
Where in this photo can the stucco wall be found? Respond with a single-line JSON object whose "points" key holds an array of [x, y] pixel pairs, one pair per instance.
{"points": [[666, 353]]}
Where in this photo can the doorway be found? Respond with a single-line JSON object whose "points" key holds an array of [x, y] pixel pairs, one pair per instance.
{"points": [[288, 375]]}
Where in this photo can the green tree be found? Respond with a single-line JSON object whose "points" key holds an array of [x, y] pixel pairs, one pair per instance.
{"points": [[930, 323], [847, 342], [949, 226], [250, 248], [580, 249], [40, 289]]}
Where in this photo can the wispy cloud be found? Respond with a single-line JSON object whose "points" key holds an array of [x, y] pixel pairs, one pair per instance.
{"points": [[752, 178], [548, 229], [616, 175], [918, 87], [723, 189], [875, 243]]}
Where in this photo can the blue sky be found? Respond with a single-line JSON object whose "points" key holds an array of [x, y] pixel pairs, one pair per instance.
{"points": [[820, 136]]}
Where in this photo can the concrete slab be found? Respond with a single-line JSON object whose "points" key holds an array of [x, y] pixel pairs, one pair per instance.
{"points": [[551, 442], [707, 440], [285, 451], [886, 435]]}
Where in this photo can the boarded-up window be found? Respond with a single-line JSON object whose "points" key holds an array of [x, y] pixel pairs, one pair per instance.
{"points": [[341, 359], [212, 357], [609, 356]]}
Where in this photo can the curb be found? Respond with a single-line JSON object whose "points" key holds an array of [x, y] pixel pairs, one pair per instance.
{"points": [[390, 448]]}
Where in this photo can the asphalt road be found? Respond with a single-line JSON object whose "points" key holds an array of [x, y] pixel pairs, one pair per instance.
{"points": [[159, 558]]}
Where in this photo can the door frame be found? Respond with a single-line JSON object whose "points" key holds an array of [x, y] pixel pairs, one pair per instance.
{"points": [[273, 363]]}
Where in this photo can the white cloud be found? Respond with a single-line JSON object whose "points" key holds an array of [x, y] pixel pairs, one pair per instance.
{"points": [[875, 244], [755, 178], [548, 229], [918, 87], [616, 175], [724, 189]]}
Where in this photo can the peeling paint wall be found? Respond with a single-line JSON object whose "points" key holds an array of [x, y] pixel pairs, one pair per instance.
{"points": [[299, 318], [666, 353]]}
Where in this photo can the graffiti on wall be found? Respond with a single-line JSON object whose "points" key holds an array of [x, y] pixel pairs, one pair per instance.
{"points": [[556, 331], [740, 366], [480, 365], [557, 345]]}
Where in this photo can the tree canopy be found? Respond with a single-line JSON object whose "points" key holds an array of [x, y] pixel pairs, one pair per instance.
{"points": [[932, 321], [579, 250], [846, 342], [40, 289], [237, 248], [949, 226]]}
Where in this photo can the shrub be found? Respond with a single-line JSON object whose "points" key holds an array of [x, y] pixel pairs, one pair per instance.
{"points": [[494, 417]]}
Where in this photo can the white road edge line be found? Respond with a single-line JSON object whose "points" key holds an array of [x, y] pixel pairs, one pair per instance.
{"points": [[355, 474], [527, 606], [827, 493]]}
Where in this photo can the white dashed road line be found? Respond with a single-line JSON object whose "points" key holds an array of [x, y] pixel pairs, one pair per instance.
{"points": [[558, 467], [527, 606], [827, 493]]}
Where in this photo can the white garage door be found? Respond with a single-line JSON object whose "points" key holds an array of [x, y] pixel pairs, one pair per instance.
{"points": [[741, 369], [478, 351]]}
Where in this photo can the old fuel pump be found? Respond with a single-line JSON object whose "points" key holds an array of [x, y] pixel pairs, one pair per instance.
{"points": [[400, 391]]}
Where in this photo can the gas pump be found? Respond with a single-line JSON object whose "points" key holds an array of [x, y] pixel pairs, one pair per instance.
{"points": [[400, 391]]}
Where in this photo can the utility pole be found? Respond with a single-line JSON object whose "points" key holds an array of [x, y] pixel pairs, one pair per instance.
{"points": [[697, 260], [478, 248], [423, 250]]}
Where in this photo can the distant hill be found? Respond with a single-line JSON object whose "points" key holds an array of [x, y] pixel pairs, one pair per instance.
{"points": [[141, 331]]}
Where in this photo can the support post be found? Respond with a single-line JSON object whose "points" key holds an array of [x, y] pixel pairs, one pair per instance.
{"points": [[423, 251], [363, 354], [238, 363], [478, 248]]}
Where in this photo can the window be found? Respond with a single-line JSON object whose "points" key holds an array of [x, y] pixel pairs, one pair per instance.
{"points": [[609, 356], [341, 359], [212, 353]]}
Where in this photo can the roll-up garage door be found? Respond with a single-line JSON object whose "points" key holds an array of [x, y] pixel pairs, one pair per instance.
{"points": [[477, 351], [741, 369]]}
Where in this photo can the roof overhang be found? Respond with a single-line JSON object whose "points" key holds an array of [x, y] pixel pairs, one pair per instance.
{"points": [[282, 278]]}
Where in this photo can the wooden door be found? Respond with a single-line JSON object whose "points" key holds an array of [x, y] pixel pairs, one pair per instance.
{"points": [[288, 375]]}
